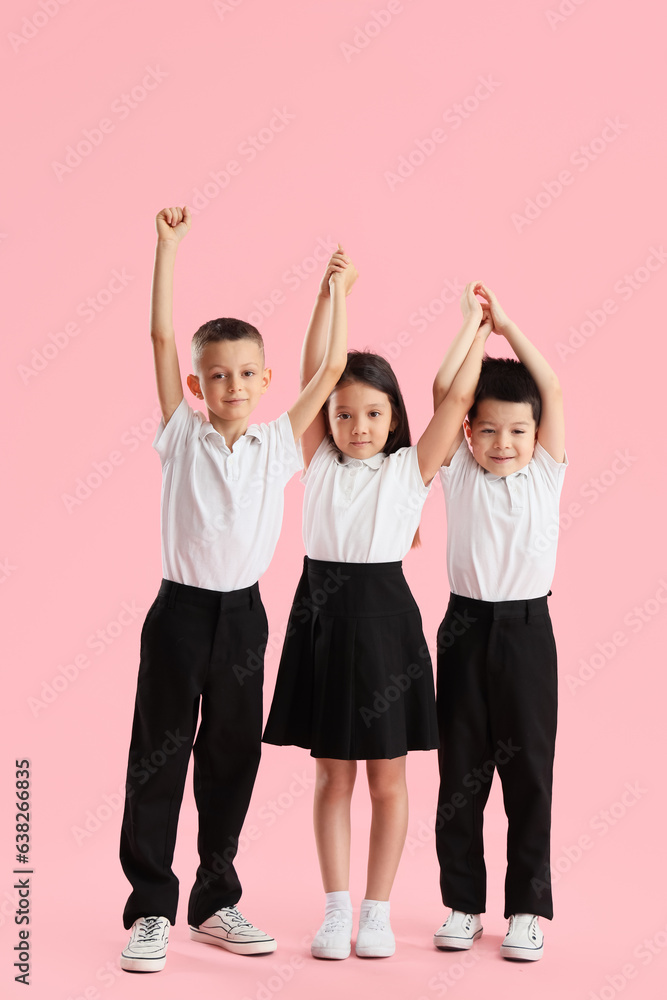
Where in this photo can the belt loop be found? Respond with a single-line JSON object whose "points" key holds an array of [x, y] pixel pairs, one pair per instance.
{"points": [[528, 615], [252, 596], [172, 594]]}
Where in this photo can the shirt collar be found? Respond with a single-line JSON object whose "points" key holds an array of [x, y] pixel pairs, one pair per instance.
{"points": [[207, 428], [492, 478], [374, 462]]}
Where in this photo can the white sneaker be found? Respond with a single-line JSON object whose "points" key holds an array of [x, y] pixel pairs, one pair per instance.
{"points": [[229, 929], [375, 938], [147, 947], [334, 938], [459, 931], [524, 938]]}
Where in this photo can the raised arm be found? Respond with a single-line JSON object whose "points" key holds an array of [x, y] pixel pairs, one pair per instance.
{"points": [[438, 442], [473, 314], [551, 432], [324, 353], [172, 225], [315, 341]]}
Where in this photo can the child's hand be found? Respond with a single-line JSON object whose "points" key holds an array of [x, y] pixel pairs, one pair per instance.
{"points": [[499, 317], [470, 304], [345, 276], [485, 328], [173, 224], [337, 262]]}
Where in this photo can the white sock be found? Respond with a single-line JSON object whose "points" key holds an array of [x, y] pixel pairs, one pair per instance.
{"points": [[366, 905], [338, 901]]}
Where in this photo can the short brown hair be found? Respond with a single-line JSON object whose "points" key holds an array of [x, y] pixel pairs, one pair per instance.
{"points": [[223, 329]]}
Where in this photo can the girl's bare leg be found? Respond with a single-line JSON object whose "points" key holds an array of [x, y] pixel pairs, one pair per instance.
{"points": [[334, 785], [389, 825]]}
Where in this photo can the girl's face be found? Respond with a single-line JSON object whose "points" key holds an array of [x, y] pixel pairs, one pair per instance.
{"points": [[360, 418]]}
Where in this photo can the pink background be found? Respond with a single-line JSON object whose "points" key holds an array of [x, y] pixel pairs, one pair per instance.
{"points": [[359, 100]]}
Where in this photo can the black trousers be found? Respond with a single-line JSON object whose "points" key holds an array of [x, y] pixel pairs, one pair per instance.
{"points": [[195, 645], [497, 700]]}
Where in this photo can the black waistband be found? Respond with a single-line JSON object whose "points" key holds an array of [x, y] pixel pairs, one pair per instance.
{"points": [[354, 590], [183, 593], [502, 609], [354, 569]]}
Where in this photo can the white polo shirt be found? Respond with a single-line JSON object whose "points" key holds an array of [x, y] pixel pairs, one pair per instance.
{"points": [[361, 510], [502, 531], [221, 509]]}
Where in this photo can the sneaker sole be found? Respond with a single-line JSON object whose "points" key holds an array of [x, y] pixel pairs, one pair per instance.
{"points": [[523, 954], [142, 964], [375, 952], [455, 943], [239, 948], [334, 953]]}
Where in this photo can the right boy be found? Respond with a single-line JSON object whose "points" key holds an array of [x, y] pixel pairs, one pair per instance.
{"points": [[497, 677], [222, 505]]}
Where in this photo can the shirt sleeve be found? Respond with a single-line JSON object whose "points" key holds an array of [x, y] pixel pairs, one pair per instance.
{"points": [[548, 469], [285, 454], [406, 466], [174, 438], [452, 475], [324, 453]]}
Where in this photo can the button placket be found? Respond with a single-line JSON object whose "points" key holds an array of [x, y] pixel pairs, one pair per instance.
{"points": [[516, 493]]}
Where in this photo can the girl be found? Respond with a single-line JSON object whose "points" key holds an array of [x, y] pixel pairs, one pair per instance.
{"points": [[355, 680]]}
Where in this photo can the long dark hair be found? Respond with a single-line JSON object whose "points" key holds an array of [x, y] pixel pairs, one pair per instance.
{"points": [[374, 370]]}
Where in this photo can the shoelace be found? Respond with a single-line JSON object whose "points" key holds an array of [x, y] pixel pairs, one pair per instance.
{"points": [[149, 931], [375, 919], [467, 922], [334, 922], [532, 928], [238, 919]]}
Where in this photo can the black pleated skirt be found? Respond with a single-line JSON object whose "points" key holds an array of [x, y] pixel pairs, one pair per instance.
{"points": [[355, 680]]}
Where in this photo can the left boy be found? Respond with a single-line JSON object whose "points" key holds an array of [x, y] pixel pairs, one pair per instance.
{"points": [[222, 505]]}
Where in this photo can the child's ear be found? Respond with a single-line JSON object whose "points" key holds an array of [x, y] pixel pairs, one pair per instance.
{"points": [[193, 386], [467, 429], [393, 425], [266, 379]]}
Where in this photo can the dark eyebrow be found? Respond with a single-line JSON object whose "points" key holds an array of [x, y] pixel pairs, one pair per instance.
{"points": [[369, 406], [515, 423], [249, 364]]}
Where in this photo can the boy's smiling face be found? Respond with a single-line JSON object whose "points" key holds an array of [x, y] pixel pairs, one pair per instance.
{"points": [[231, 378], [502, 436]]}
